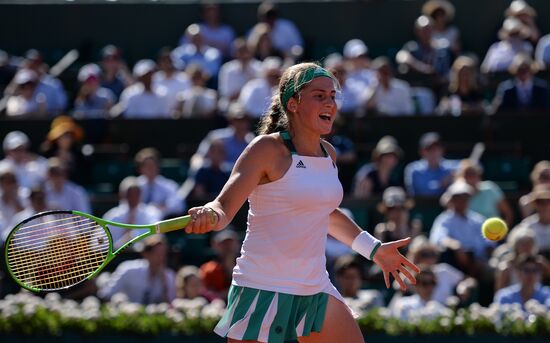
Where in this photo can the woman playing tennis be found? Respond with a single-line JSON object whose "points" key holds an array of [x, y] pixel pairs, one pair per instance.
{"points": [[281, 289]]}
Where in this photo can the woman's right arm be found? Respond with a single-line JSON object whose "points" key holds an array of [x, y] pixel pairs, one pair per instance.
{"points": [[253, 166]]}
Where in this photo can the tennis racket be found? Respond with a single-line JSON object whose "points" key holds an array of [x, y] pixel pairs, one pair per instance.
{"points": [[54, 250]]}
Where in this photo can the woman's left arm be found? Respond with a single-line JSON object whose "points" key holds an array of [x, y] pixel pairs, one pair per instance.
{"points": [[385, 255]]}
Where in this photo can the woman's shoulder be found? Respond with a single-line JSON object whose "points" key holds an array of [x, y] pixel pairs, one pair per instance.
{"points": [[267, 145]]}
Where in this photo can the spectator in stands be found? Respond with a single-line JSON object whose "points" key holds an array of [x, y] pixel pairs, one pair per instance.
{"points": [[62, 194], [521, 241], [388, 96], [395, 207], [64, 141], [540, 221], [528, 287], [235, 136], [463, 95], [7, 70], [349, 280], [423, 296], [450, 280], [457, 231], [539, 174], [351, 92], [542, 52], [189, 284], [25, 101], [260, 44], [284, 34], [92, 100], [373, 178], [195, 50], [421, 56], [236, 73], [430, 175], [521, 10], [30, 169], [140, 100], [36, 204], [358, 64], [156, 190], [524, 93], [13, 199], [116, 75], [488, 199], [444, 34], [215, 33], [147, 280], [130, 211], [48, 85], [213, 174], [168, 81], [198, 101], [256, 94], [513, 40], [216, 274]]}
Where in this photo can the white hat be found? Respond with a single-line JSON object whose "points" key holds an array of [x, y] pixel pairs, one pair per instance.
{"points": [[87, 71], [143, 67], [24, 76], [14, 140], [355, 48], [271, 63], [457, 188]]}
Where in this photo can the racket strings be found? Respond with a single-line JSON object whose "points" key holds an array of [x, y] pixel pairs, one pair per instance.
{"points": [[56, 250]]}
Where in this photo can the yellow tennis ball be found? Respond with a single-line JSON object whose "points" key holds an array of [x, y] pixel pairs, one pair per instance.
{"points": [[494, 229]]}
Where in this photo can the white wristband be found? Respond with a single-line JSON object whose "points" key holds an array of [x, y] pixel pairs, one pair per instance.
{"points": [[366, 245]]}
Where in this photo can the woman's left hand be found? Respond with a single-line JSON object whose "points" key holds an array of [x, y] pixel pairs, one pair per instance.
{"points": [[390, 260]]}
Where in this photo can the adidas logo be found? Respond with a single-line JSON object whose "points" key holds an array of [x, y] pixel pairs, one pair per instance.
{"points": [[300, 164]]}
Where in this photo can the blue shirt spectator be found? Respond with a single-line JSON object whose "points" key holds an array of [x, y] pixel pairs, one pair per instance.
{"points": [[512, 294], [430, 175]]}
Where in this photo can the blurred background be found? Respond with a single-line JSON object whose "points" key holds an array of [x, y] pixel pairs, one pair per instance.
{"points": [[137, 110]]}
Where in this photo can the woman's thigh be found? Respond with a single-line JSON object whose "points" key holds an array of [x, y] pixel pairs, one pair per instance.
{"points": [[339, 326]]}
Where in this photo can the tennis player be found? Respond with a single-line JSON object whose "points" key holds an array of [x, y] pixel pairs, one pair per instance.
{"points": [[281, 289]]}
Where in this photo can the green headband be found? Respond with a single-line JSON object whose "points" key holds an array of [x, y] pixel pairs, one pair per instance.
{"points": [[305, 77]]}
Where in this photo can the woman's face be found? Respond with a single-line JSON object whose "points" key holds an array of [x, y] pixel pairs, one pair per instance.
{"points": [[193, 287], [389, 160], [315, 107]]}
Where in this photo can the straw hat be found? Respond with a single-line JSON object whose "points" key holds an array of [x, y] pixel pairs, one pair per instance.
{"points": [[62, 125], [511, 25], [519, 7], [394, 197], [540, 192], [386, 145], [431, 6]]}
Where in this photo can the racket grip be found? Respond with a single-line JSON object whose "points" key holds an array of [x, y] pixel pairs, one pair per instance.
{"points": [[172, 224]]}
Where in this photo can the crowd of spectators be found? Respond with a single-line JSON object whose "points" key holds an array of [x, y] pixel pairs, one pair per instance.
{"points": [[214, 73]]}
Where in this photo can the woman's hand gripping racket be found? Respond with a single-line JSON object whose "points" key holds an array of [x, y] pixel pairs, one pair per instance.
{"points": [[55, 250]]}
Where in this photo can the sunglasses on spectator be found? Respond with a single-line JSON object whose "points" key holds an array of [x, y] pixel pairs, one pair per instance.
{"points": [[530, 270], [425, 283], [427, 254]]}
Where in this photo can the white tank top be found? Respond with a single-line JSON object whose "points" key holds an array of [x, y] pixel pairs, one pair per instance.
{"points": [[284, 247]]}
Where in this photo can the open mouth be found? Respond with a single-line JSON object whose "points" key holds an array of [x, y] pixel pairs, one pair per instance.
{"points": [[326, 117]]}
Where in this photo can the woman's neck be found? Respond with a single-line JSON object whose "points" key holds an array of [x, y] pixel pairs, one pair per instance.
{"points": [[306, 144]]}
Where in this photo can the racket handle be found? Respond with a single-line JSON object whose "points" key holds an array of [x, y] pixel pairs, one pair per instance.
{"points": [[172, 224]]}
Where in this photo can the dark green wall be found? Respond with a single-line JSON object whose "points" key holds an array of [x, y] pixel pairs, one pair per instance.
{"points": [[141, 29]]}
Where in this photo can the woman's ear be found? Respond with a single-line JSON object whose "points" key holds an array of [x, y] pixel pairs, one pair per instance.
{"points": [[292, 105]]}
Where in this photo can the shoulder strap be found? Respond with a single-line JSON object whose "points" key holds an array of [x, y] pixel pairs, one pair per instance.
{"points": [[324, 150], [288, 141]]}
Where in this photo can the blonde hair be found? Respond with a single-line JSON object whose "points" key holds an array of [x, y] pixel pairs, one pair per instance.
{"points": [[462, 62], [466, 165], [538, 169]]}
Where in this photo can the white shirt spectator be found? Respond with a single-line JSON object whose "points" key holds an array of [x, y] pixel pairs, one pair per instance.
{"points": [[542, 53], [133, 279], [285, 35], [233, 76], [7, 212], [168, 88], [447, 278], [139, 104], [542, 231], [395, 101], [30, 174], [404, 307], [142, 215], [256, 97], [198, 102], [500, 55], [71, 197], [162, 192]]}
